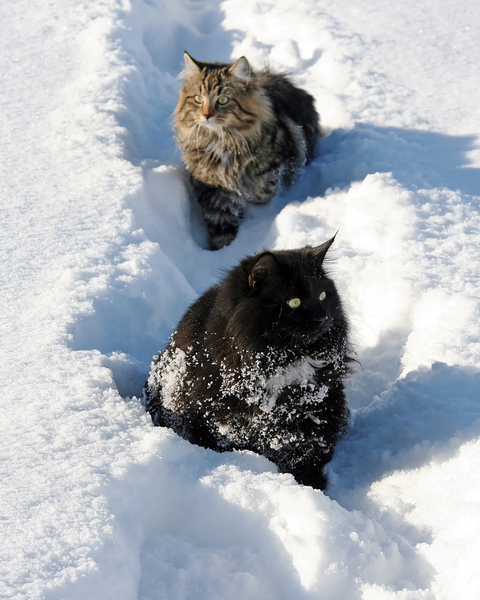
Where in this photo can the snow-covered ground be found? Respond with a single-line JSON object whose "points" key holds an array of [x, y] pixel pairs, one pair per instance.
{"points": [[101, 253]]}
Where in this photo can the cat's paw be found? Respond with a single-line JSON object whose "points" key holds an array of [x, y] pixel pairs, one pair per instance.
{"points": [[221, 240]]}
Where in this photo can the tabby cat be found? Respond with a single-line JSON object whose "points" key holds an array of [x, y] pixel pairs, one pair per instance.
{"points": [[242, 134], [258, 363]]}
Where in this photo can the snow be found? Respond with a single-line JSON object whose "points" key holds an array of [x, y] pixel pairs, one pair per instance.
{"points": [[102, 252]]}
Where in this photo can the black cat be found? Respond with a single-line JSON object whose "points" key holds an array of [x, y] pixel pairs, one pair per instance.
{"points": [[258, 363]]}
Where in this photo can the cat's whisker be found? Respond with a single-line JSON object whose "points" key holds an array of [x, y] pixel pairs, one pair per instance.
{"points": [[193, 131], [224, 147], [230, 137], [226, 134], [246, 145], [235, 147], [360, 325], [242, 145], [198, 130]]}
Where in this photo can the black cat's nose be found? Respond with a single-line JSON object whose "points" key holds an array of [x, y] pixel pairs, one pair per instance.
{"points": [[321, 321]]}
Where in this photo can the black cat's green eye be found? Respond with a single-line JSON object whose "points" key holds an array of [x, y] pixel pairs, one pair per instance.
{"points": [[198, 99], [222, 100], [294, 302], [322, 296]]}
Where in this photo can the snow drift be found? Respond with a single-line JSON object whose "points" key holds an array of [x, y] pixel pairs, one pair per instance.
{"points": [[102, 251]]}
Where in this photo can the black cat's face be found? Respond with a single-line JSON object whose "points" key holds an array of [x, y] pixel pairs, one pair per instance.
{"points": [[308, 306], [298, 301]]}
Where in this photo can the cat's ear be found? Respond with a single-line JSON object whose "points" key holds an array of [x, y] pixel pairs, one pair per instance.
{"points": [[191, 65], [320, 251], [264, 266], [241, 69]]}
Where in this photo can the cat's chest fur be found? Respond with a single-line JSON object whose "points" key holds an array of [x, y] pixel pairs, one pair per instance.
{"points": [[258, 385], [301, 372], [263, 385], [225, 160]]}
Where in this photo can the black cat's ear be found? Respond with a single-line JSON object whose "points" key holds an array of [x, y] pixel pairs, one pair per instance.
{"points": [[241, 69], [265, 265], [320, 251], [191, 65]]}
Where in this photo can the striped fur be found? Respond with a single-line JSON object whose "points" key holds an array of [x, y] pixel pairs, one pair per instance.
{"points": [[242, 150]]}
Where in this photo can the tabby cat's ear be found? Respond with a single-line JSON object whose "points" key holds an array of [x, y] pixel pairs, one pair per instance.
{"points": [[191, 65], [241, 69], [263, 267], [320, 251]]}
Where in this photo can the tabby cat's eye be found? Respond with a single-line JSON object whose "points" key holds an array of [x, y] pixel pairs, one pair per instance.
{"points": [[294, 302], [222, 100], [322, 296], [198, 99]]}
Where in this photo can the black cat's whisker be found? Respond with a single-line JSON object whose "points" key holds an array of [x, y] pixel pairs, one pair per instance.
{"points": [[360, 324], [282, 303]]}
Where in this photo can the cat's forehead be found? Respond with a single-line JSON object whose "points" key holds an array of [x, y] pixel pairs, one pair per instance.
{"points": [[302, 273], [300, 262], [214, 80]]}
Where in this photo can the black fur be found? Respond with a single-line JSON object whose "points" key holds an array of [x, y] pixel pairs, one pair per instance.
{"points": [[246, 370]]}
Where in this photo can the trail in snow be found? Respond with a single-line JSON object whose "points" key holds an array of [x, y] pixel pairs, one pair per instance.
{"points": [[105, 251]]}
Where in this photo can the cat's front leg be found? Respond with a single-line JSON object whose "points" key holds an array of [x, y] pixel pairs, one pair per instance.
{"points": [[222, 211], [265, 188]]}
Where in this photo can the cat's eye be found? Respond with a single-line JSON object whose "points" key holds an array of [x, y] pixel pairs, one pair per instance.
{"points": [[222, 100], [294, 302], [322, 296], [198, 99]]}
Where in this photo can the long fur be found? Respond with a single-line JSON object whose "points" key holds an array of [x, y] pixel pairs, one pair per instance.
{"points": [[245, 370], [242, 151]]}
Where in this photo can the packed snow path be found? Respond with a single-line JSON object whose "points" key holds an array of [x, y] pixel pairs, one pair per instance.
{"points": [[101, 253]]}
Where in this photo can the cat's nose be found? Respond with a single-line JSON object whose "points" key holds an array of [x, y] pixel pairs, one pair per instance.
{"points": [[321, 321]]}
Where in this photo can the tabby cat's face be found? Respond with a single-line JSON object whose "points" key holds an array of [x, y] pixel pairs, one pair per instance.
{"points": [[221, 97]]}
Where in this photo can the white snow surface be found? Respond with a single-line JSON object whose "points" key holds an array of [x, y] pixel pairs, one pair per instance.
{"points": [[102, 252]]}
